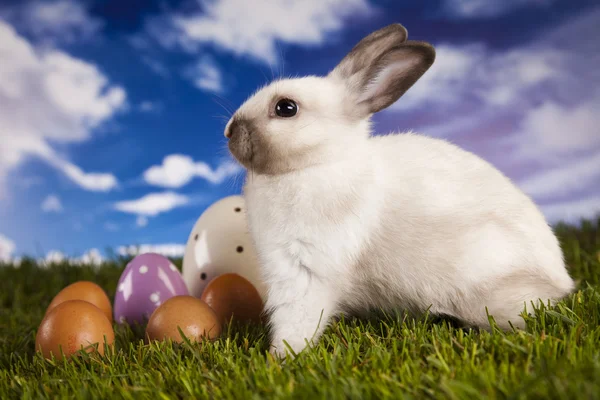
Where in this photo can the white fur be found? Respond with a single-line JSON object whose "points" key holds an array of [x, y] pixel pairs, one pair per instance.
{"points": [[400, 221]]}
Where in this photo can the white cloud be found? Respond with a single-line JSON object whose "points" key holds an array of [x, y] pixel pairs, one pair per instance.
{"points": [[167, 250], [90, 257], [464, 72], [488, 8], [96, 182], [52, 204], [473, 86], [47, 95], [178, 170], [141, 221], [55, 257], [557, 131], [52, 21], [7, 248], [152, 204], [254, 28], [572, 211], [205, 75], [580, 175]]}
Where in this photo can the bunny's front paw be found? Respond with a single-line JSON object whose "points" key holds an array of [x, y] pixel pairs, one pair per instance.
{"points": [[300, 319]]}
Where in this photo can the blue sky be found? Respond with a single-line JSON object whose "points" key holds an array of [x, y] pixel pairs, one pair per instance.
{"points": [[112, 112]]}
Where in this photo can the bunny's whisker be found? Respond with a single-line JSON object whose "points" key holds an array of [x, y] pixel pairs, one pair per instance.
{"points": [[215, 99], [221, 117], [282, 60]]}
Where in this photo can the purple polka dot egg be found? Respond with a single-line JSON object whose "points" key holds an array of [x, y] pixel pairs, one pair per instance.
{"points": [[146, 282]]}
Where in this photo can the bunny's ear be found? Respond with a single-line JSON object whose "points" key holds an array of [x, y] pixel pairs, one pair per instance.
{"points": [[381, 68], [370, 48]]}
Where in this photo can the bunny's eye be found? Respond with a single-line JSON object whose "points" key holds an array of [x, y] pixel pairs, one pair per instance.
{"points": [[286, 108]]}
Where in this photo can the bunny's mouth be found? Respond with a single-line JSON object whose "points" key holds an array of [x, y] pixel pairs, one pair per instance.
{"points": [[251, 148]]}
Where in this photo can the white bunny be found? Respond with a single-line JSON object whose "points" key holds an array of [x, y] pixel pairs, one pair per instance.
{"points": [[345, 222]]}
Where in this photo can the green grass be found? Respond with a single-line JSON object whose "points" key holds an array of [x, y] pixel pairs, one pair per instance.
{"points": [[558, 356]]}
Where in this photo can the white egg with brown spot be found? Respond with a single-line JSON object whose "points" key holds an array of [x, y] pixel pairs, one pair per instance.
{"points": [[220, 243]]}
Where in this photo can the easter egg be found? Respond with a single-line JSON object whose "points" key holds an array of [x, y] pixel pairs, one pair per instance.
{"points": [[193, 316], [87, 291], [231, 295], [147, 281], [71, 326], [220, 243]]}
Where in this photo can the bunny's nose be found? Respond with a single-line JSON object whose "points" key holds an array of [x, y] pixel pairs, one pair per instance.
{"points": [[232, 127], [237, 126]]}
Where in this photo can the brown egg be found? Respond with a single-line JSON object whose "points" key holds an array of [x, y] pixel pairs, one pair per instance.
{"points": [[231, 295], [87, 291], [71, 326], [195, 318]]}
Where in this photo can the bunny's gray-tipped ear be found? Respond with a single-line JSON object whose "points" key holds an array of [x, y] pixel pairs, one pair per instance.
{"points": [[382, 67], [370, 48]]}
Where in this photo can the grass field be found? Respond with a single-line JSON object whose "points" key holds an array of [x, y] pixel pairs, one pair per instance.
{"points": [[558, 356]]}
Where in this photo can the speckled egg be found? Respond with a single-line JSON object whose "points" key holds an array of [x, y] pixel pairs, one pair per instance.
{"points": [[220, 243], [87, 291], [233, 298], [72, 326], [193, 316], [146, 282]]}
